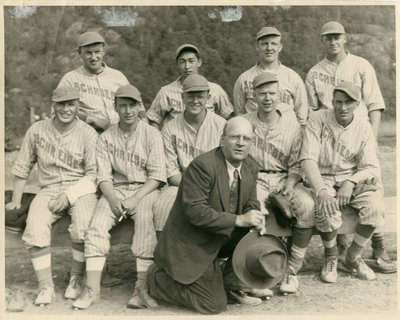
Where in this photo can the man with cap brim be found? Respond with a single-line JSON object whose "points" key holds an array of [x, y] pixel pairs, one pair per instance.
{"points": [[193, 132], [215, 207], [276, 150], [340, 65], [293, 96], [339, 158], [66, 177], [130, 168], [96, 83], [168, 103]]}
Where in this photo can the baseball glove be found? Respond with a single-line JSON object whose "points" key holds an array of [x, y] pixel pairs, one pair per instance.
{"points": [[280, 205]]}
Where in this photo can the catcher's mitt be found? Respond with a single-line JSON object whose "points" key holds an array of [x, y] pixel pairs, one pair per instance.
{"points": [[280, 205]]}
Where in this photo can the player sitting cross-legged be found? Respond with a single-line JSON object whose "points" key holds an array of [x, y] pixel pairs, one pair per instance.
{"points": [[66, 175], [131, 166]]}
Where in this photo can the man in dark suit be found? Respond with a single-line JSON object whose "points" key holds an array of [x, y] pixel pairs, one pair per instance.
{"points": [[215, 207]]}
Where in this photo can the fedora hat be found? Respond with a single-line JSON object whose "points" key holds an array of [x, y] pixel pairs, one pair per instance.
{"points": [[260, 261]]}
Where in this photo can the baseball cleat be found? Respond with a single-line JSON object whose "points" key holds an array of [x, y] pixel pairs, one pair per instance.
{"points": [[238, 296], [75, 287], [260, 293], [329, 270], [88, 297], [45, 296], [363, 271], [290, 284]]}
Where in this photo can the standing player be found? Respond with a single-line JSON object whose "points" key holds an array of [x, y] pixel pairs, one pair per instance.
{"points": [[339, 153], [339, 65], [66, 176], [96, 83], [276, 150], [131, 166], [190, 134], [168, 103], [292, 94]]}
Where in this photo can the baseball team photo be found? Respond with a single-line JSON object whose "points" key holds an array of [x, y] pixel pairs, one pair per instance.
{"points": [[200, 160]]}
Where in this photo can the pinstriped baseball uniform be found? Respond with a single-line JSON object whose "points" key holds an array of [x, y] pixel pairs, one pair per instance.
{"points": [[292, 92], [344, 154], [276, 150], [97, 90], [64, 161], [127, 162], [168, 102], [325, 75], [182, 143]]}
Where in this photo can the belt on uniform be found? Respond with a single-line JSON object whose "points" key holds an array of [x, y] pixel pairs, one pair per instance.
{"points": [[272, 171]]}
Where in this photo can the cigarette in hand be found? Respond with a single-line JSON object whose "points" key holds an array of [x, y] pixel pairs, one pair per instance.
{"points": [[123, 215]]}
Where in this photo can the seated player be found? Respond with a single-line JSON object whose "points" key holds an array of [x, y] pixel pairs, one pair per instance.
{"points": [[276, 149], [131, 167], [338, 156], [66, 176]]}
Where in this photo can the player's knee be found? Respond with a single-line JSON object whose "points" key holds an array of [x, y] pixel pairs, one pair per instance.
{"points": [[214, 306]]}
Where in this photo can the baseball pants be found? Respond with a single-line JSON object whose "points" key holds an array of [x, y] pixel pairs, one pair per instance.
{"points": [[302, 197], [97, 241], [40, 218], [163, 205], [369, 205]]}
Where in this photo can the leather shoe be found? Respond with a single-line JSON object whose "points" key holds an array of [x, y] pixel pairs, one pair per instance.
{"points": [[381, 266], [238, 296]]}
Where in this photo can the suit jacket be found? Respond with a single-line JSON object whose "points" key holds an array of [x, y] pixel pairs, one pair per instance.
{"points": [[198, 224]]}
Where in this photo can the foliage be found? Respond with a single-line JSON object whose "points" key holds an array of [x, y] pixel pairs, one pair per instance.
{"points": [[41, 48]]}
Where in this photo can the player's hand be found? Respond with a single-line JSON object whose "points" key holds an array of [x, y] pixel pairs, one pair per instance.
{"points": [[252, 218], [327, 204], [130, 204], [288, 189], [371, 180], [97, 123], [344, 194], [13, 205], [59, 204], [116, 206]]}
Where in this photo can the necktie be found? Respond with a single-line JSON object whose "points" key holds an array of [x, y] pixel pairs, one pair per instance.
{"points": [[233, 196]]}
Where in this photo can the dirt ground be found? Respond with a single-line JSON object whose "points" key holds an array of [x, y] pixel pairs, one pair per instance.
{"points": [[349, 296]]}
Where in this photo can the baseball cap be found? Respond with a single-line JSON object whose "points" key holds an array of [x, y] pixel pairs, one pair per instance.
{"points": [[128, 91], [184, 46], [264, 77], [332, 27], [267, 31], [195, 82], [89, 38], [65, 94], [351, 89]]}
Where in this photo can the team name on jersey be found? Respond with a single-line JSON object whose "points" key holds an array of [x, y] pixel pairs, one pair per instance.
{"points": [[284, 95], [269, 148], [179, 144], [337, 146], [85, 88], [328, 79], [126, 156], [56, 153]]}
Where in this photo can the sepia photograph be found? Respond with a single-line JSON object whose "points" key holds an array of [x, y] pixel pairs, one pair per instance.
{"points": [[187, 159]]}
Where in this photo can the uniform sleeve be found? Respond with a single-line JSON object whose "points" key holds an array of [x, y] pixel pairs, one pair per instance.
{"points": [[27, 156], [239, 97], [368, 163], [311, 144], [171, 156], [370, 88], [156, 112], [300, 100], [196, 186], [86, 184], [293, 161], [222, 105], [311, 92], [156, 159], [104, 168]]}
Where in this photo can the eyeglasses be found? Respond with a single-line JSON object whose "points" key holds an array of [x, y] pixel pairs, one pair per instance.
{"points": [[193, 96], [238, 138]]}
